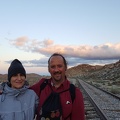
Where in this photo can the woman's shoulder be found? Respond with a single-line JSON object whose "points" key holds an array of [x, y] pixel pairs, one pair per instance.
{"points": [[30, 91]]}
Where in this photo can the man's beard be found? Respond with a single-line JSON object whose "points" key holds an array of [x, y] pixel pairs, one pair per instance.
{"points": [[57, 73]]}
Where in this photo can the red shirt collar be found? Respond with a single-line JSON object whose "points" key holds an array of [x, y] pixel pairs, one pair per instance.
{"points": [[64, 85]]}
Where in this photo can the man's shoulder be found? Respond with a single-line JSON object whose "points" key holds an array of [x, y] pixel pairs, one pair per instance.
{"points": [[78, 92], [36, 86]]}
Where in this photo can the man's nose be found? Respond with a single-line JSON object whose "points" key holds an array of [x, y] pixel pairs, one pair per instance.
{"points": [[56, 68]]}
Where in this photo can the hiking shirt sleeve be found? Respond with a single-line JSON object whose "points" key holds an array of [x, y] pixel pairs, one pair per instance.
{"points": [[78, 107]]}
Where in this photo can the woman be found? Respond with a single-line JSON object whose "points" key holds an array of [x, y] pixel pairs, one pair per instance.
{"points": [[17, 102]]}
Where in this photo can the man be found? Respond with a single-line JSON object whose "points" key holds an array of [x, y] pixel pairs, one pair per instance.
{"points": [[58, 82]]}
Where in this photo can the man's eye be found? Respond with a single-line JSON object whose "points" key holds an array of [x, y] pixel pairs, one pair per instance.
{"points": [[60, 66], [52, 67]]}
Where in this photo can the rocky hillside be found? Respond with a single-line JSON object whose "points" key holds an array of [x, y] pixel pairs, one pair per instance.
{"points": [[84, 71], [106, 72]]}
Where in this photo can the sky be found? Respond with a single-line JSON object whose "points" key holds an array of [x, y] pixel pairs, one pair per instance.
{"points": [[84, 31]]}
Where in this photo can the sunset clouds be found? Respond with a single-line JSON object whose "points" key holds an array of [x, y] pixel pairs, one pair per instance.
{"points": [[75, 54], [47, 47]]}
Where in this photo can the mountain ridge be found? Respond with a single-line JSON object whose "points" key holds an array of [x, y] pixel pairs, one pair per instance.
{"points": [[105, 72], [82, 71]]}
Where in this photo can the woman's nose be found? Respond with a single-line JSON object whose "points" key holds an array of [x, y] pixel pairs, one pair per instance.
{"points": [[18, 77]]}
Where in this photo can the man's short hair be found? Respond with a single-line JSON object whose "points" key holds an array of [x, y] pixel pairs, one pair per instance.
{"points": [[58, 54]]}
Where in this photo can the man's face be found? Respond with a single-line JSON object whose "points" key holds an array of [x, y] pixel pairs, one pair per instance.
{"points": [[57, 68]]}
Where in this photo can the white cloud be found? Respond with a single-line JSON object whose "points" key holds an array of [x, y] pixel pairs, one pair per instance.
{"points": [[48, 42], [46, 47], [19, 42]]}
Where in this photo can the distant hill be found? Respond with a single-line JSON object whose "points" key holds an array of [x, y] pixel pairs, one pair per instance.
{"points": [[86, 71], [83, 71], [31, 78]]}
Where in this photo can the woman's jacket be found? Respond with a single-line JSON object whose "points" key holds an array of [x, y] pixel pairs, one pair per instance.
{"points": [[17, 104]]}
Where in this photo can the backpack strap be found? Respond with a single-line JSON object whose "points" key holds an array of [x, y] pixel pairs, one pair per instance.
{"points": [[43, 85], [72, 92]]}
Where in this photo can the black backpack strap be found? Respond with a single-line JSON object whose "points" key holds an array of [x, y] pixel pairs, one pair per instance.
{"points": [[43, 85], [72, 92]]}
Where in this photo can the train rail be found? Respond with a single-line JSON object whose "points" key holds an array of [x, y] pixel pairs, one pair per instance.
{"points": [[99, 104]]}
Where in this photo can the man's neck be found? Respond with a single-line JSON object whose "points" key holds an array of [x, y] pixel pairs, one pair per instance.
{"points": [[57, 83]]}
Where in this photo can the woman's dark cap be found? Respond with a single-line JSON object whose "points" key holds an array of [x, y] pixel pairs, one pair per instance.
{"points": [[15, 68]]}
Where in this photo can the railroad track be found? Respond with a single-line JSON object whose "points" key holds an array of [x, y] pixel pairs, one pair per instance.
{"points": [[99, 104]]}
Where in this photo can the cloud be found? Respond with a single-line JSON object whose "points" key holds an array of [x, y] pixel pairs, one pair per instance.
{"points": [[19, 42], [76, 54], [47, 47], [48, 42]]}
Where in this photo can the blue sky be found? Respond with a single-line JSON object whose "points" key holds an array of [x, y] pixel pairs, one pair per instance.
{"points": [[83, 31]]}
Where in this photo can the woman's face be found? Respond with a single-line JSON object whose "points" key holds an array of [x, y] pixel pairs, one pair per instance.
{"points": [[17, 81]]}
